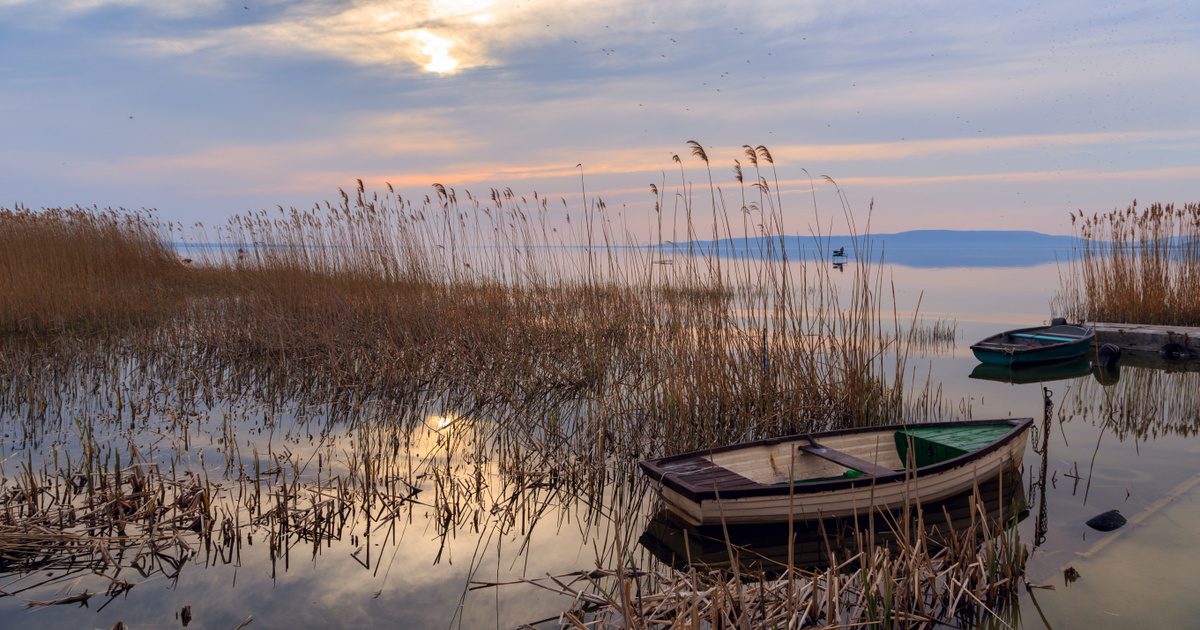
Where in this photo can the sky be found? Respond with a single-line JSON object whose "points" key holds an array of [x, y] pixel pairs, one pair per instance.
{"points": [[947, 115]]}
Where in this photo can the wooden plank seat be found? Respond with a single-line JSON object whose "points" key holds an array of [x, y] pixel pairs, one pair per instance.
{"points": [[701, 472], [844, 459], [1044, 337]]}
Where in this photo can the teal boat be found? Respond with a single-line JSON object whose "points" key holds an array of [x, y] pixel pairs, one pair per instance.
{"points": [[1036, 345]]}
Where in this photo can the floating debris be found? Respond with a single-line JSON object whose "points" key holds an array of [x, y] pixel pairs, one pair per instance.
{"points": [[1070, 574], [1107, 521]]}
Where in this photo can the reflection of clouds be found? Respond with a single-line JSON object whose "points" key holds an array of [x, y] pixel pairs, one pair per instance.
{"points": [[332, 590]]}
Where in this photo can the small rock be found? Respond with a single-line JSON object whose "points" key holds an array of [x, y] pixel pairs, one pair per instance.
{"points": [[1107, 521], [185, 615]]}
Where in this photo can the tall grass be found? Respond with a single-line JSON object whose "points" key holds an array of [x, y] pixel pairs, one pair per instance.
{"points": [[66, 269], [1136, 265]]}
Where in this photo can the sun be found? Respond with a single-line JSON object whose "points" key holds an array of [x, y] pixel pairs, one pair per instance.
{"points": [[435, 50]]}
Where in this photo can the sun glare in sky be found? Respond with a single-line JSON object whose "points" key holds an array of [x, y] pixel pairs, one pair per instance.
{"points": [[435, 52]]}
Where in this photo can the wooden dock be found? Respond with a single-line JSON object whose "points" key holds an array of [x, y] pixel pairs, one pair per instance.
{"points": [[1149, 339]]}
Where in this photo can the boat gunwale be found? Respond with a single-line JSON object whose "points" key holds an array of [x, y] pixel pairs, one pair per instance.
{"points": [[653, 469]]}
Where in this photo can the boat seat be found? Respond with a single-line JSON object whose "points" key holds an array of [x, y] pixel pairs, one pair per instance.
{"points": [[701, 472], [845, 459], [1042, 337]]}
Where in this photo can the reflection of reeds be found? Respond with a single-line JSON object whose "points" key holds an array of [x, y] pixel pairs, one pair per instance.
{"points": [[1145, 403], [1140, 266]]}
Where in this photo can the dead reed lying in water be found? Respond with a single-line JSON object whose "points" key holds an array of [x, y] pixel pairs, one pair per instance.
{"points": [[98, 524], [1139, 266]]}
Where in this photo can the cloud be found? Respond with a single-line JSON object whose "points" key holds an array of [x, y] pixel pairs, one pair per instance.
{"points": [[435, 36], [1170, 172], [300, 166], [971, 145], [171, 8], [412, 139]]}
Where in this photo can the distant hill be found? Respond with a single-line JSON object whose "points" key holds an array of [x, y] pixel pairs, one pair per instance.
{"points": [[915, 248]]}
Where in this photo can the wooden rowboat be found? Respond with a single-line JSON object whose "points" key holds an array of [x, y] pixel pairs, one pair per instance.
{"points": [[836, 473], [1039, 344]]}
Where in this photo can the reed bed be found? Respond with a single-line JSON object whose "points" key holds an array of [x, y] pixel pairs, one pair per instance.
{"points": [[319, 380], [66, 269], [1136, 265], [377, 297]]}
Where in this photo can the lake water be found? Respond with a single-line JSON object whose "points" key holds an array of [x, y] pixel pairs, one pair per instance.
{"points": [[1127, 445]]}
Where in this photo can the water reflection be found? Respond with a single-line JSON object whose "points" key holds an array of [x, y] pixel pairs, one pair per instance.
{"points": [[1033, 374], [932, 249], [1142, 397]]}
